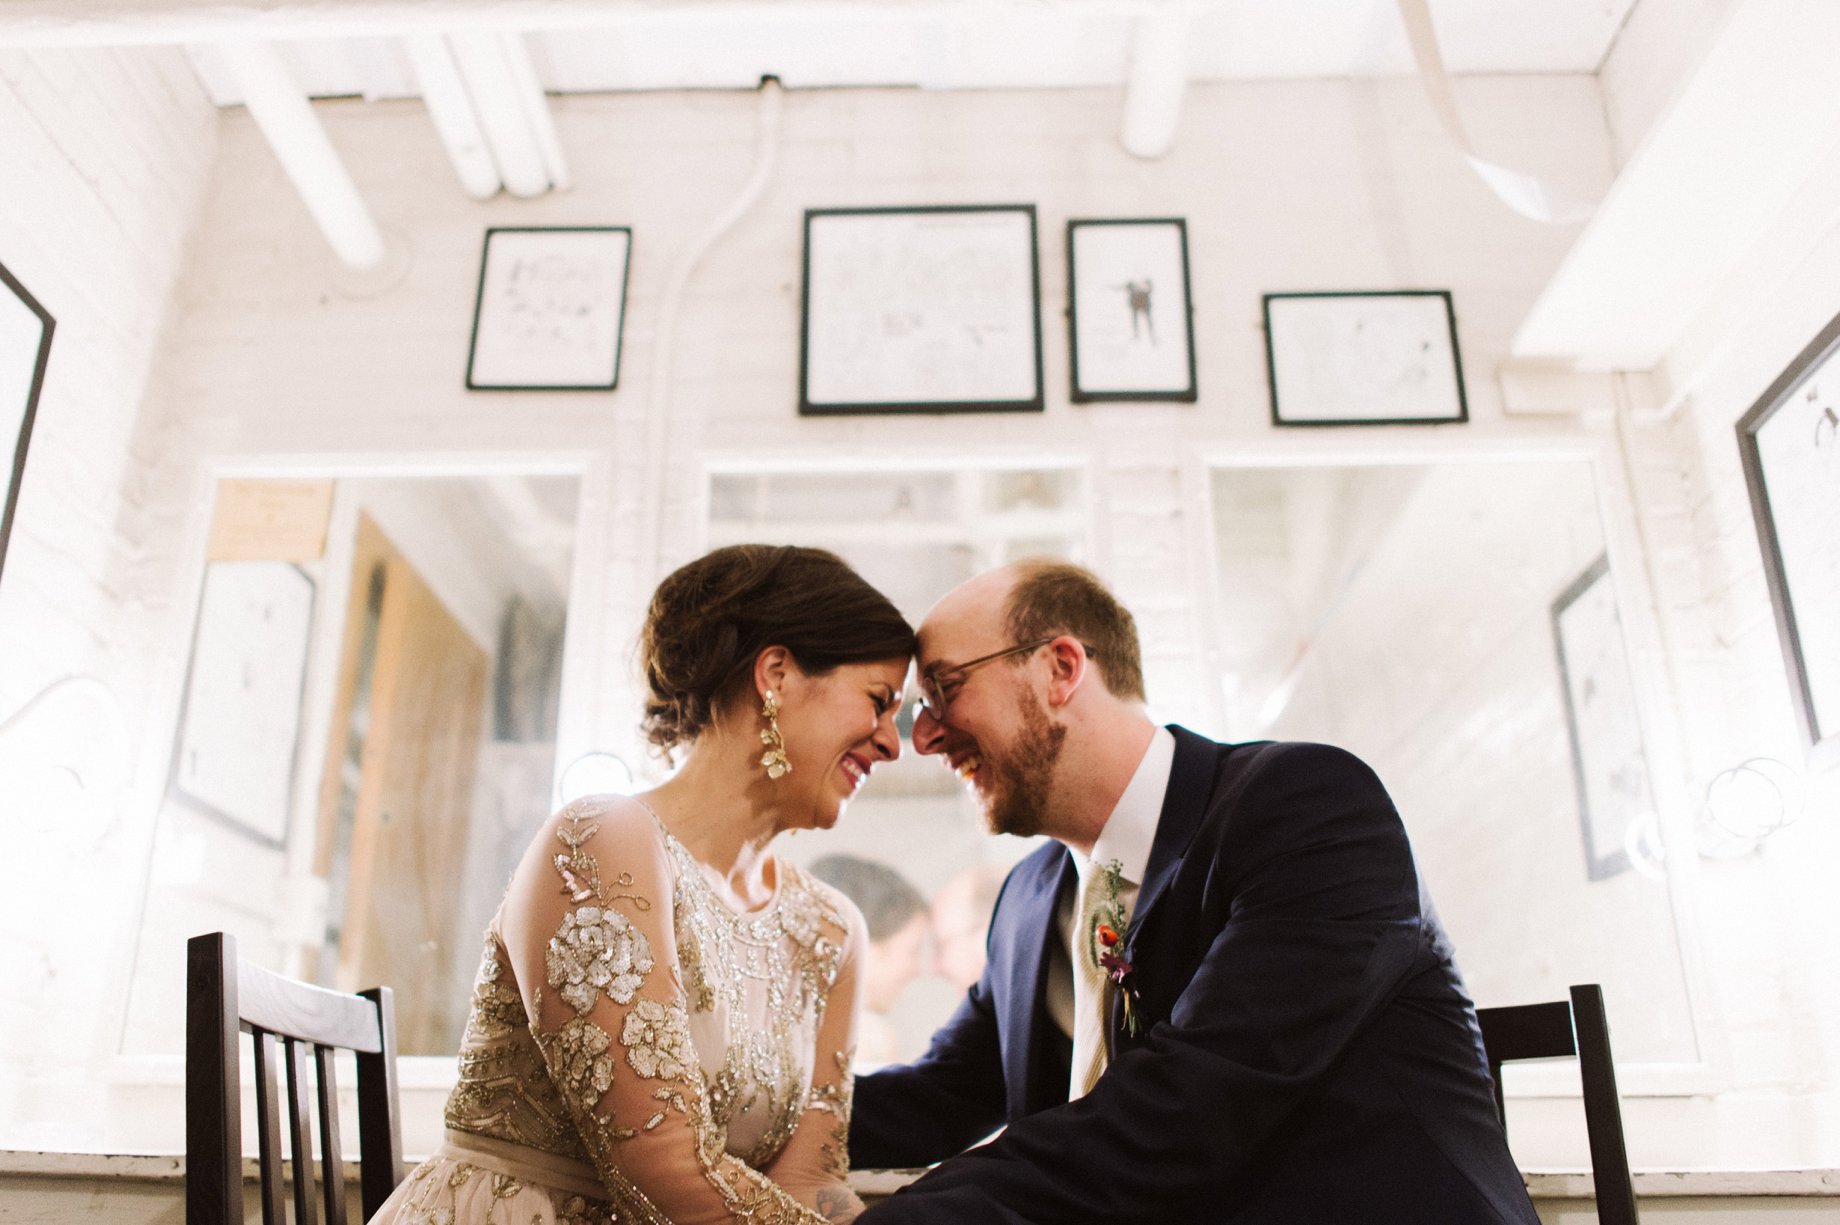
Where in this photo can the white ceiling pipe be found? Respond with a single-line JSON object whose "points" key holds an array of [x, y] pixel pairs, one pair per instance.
{"points": [[535, 105], [494, 90], [1159, 78], [452, 114], [285, 116], [659, 417], [65, 23]]}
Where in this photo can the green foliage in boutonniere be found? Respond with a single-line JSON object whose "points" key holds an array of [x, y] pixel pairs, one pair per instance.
{"points": [[1105, 942]]}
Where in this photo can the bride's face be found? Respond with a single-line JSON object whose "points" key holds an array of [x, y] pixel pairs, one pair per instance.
{"points": [[837, 728]]}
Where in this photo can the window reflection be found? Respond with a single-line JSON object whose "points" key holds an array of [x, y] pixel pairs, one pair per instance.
{"points": [[425, 753], [1406, 612]]}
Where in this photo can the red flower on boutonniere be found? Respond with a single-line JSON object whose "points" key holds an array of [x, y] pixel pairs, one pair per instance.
{"points": [[1108, 934]]}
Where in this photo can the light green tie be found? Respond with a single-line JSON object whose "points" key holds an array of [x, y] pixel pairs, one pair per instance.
{"points": [[1091, 986]]}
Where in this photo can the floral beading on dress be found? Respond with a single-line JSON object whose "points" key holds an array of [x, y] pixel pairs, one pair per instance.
{"points": [[625, 1063]]}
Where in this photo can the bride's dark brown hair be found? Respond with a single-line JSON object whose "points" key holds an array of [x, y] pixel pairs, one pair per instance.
{"points": [[709, 620]]}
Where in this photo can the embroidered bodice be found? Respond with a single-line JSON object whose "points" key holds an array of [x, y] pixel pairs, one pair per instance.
{"points": [[625, 1017]]}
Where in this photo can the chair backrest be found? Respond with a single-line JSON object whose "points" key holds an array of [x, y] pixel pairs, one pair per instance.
{"points": [[1578, 1027], [293, 1023]]}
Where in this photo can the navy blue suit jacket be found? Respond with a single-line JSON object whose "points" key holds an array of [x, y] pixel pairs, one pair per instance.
{"points": [[1309, 1053]]}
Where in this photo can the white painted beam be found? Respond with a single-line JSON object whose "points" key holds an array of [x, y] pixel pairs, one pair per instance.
{"points": [[451, 111], [484, 59], [1159, 79], [1706, 188], [148, 22], [534, 105], [286, 119]]}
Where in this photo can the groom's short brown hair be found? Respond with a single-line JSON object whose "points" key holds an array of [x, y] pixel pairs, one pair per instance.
{"points": [[1057, 597]]}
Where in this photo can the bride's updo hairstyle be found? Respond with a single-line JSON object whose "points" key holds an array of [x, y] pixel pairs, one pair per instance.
{"points": [[710, 619]]}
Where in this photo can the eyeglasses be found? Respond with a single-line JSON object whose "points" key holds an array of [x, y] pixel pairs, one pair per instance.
{"points": [[937, 689]]}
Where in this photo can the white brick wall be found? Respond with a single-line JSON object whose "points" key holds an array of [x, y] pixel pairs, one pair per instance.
{"points": [[1768, 922], [104, 159]]}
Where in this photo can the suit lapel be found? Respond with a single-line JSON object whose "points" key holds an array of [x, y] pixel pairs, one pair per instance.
{"points": [[1191, 779], [1029, 1064]]}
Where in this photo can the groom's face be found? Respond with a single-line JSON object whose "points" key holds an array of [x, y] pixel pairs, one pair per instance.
{"points": [[995, 732]]}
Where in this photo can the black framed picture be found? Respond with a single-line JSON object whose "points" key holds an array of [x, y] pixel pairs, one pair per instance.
{"points": [[1790, 445], [1364, 358], [921, 310], [25, 350], [1131, 332], [550, 310], [1615, 793]]}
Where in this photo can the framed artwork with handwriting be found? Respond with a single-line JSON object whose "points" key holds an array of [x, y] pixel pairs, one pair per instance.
{"points": [[550, 310], [921, 310]]}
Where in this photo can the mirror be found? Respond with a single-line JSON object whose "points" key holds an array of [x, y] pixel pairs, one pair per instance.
{"points": [[367, 739], [1456, 625]]}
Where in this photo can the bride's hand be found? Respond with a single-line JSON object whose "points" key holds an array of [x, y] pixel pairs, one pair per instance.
{"points": [[838, 1204]]}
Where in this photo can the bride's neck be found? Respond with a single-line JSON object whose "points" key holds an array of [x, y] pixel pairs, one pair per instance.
{"points": [[720, 806]]}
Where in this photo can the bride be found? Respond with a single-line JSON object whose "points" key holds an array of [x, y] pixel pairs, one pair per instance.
{"points": [[663, 1019]]}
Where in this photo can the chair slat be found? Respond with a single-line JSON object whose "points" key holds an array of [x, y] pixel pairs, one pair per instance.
{"points": [[1528, 1031], [1603, 1113], [268, 1126], [301, 1010], [379, 1117], [332, 1162], [300, 1132], [213, 1106]]}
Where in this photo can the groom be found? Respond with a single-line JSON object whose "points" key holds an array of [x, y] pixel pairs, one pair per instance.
{"points": [[1224, 958]]}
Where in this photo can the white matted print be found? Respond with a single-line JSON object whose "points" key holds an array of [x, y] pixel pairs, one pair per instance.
{"points": [[921, 310], [1790, 442], [235, 757], [25, 347], [1132, 332], [551, 308], [1614, 791], [1362, 358]]}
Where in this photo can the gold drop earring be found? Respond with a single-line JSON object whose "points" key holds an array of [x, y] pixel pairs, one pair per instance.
{"points": [[774, 759]]}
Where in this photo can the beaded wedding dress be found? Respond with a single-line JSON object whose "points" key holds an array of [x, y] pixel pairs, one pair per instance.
{"points": [[639, 1052]]}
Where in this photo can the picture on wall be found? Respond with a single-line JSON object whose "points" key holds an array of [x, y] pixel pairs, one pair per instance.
{"points": [[550, 310], [243, 693], [1790, 444], [1614, 790], [1130, 326], [25, 349], [1363, 358], [921, 310]]}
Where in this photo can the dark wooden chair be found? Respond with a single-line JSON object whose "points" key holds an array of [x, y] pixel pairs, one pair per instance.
{"points": [[1578, 1027], [293, 1024]]}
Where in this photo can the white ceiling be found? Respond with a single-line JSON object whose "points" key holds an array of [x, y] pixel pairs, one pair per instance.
{"points": [[949, 44]]}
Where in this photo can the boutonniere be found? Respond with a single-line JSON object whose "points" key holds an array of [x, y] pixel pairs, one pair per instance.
{"points": [[1105, 942]]}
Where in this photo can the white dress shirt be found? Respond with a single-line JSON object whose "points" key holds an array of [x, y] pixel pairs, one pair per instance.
{"points": [[1127, 836]]}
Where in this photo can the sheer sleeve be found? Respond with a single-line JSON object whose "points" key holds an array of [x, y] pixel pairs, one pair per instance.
{"points": [[588, 927], [815, 1164]]}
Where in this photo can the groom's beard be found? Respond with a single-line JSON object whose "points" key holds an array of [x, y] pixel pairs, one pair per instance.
{"points": [[1016, 801]]}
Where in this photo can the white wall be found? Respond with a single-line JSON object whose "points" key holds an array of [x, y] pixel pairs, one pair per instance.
{"points": [[1770, 926], [1438, 667], [106, 160], [284, 363]]}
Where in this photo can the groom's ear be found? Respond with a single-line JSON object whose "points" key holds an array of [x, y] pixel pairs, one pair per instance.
{"points": [[1067, 669]]}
